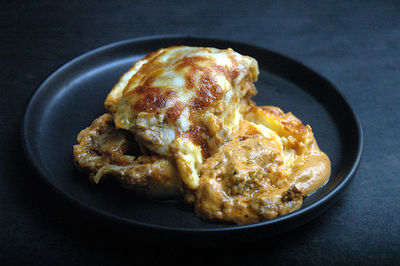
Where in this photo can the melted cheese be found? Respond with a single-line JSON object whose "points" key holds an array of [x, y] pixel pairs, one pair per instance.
{"points": [[183, 101]]}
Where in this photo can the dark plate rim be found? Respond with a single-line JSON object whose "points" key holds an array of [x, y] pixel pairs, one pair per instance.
{"points": [[303, 211]]}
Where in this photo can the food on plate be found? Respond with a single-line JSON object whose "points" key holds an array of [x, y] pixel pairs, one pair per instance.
{"points": [[181, 124], [105, 150]]}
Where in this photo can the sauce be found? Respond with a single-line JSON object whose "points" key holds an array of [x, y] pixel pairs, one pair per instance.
{"points": [[253, 178]]}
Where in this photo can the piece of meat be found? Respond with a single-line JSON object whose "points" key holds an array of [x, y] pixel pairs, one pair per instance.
{"points": [[264, 172], [245, 181], [103, 150]]}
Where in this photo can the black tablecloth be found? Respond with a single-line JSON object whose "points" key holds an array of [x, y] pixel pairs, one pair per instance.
{"points": [[355, 44]]}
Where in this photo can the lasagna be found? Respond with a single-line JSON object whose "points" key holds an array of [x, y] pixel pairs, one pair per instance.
{"points": [[181, 124]]}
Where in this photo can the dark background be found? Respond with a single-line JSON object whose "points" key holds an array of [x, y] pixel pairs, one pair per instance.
{"points": [[355, 44]]}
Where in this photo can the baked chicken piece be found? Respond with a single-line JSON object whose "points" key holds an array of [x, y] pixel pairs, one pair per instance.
{"points": [[103, 150], [183, 103]]}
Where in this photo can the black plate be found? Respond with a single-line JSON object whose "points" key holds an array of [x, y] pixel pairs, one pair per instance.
{"points": [[72, 97]]}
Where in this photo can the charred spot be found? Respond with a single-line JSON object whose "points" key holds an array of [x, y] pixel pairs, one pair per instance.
{"points": [[230, 73], [189, 62], [221, 69], [298, 130], [233, 73], [140, 89], [241, 138], [174, 112], [201, 80], [148, 81], [145, 88], [198, 135], [191, 79], [208, 91], [153, 98]]}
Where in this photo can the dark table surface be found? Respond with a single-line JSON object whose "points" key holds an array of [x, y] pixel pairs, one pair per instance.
{"points": [[356, 45]]}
